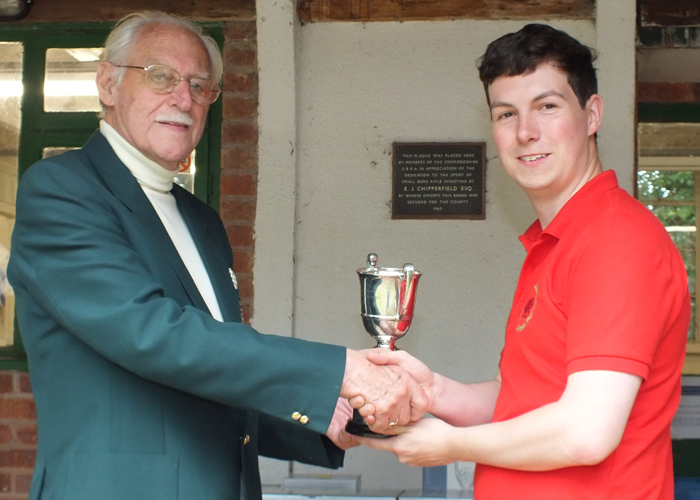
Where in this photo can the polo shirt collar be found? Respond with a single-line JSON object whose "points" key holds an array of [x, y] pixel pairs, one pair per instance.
{"points": [[580, 203]]}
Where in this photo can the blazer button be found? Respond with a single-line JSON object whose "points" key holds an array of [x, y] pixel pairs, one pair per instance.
{"points": [[246, 439], [304, 419], [296, 415]]}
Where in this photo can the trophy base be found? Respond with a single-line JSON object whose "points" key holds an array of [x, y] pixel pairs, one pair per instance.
{"points": [[357, 427]]}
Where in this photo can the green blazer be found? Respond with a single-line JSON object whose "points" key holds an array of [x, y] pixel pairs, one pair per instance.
{"points": [[140, 393]]}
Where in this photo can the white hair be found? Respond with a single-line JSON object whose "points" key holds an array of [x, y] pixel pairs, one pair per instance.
{"points": [[119, 42]]}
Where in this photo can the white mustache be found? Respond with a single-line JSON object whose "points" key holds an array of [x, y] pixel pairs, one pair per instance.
{"points": [[178, 118]]}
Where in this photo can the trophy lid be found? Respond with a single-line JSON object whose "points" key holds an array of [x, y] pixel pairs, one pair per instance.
{"points": [[398, 272]]}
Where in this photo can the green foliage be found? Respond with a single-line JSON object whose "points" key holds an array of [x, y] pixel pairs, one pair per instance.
{"points": [[664, 194], [672, 185]]}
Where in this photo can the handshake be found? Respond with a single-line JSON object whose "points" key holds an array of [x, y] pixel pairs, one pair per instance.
{"points": [[388, 388]]}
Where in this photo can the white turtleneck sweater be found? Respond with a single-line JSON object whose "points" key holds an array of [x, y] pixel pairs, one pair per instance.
{"points": [[156, 182]]}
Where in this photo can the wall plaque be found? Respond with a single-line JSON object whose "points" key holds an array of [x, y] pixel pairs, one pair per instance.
{"points": [[439, 180]]}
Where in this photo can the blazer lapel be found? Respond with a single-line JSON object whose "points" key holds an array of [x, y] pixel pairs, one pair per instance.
{"points": [[125, 188], [216, 263]]}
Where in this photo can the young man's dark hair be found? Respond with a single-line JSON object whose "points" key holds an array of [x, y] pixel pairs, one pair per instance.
{"points": [[521, 52]]}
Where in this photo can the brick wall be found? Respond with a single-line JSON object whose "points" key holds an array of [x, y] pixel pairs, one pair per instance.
{"points": [[661, 92], [239, 171], [239, 156], [18, 437]]}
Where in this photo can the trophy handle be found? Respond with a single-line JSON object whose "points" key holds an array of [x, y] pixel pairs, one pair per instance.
{"points": [[407, 302]]}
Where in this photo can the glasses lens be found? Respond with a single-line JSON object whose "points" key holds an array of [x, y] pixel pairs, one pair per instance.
{"points": [[203, 90], [162, 78]]}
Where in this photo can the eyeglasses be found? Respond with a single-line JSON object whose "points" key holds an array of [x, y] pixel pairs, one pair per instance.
{"points": [[165, 79]]}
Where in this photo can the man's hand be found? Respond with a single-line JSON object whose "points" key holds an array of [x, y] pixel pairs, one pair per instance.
{"points": [[416, 368], [384, 394], [336, 431]]}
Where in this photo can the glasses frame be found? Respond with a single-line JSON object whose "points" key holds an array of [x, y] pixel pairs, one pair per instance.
{"points": [[214, 93]]}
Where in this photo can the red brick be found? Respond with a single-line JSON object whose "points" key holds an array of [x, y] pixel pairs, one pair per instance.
{"points": [[20, 459], [7, 385], [241, 236], [240, 30], [241, 133], [245, 285], [5, 434], [22, 483], [662, 92], [247, 310], [238, 184], [668, 92], [240, 82], [25, 385], [243, 262], [239, 56], [239, 158], [5, 483], [17, 408], [27, 435], [240, 107], [237, 210]]}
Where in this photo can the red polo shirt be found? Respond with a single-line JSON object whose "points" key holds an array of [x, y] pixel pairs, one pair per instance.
{"points": [[603, 287]]}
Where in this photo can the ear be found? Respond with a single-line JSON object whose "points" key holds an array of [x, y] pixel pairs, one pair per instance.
{"points": [[594, 108], [106, 83]]}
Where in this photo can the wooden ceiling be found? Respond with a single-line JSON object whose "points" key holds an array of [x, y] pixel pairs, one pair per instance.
{"points": [[67, 11], [669, 12], [409, 10], [651, 12]]}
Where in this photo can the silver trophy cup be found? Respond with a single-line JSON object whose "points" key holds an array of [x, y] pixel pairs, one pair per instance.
{"points": [[388, 295]]}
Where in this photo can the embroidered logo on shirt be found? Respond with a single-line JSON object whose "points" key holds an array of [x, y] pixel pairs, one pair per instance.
{"points": [[527, 312], [233, 278]]}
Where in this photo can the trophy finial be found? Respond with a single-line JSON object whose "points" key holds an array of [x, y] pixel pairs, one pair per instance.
{"points": [[372, 260]]}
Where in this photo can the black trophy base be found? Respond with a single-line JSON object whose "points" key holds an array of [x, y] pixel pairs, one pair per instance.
{"points": [[357, 427]]}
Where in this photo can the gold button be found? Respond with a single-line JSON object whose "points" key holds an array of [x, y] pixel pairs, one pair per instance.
{"points": [[304, 419], [246, 439], [296, 415]]}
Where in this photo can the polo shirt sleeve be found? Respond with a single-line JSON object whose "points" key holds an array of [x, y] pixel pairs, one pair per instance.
{"points": [[624, 289]]}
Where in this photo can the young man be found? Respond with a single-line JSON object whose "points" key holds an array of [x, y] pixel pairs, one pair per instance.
{"points": [[589, 377], [146, 383]]}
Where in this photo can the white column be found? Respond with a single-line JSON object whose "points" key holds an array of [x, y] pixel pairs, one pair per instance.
{"points": [[277, 153], [616, 32], [274, 220]]}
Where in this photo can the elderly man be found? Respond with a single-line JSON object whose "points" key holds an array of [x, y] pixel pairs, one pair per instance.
{"points": [[146, 383], [589, 378]]}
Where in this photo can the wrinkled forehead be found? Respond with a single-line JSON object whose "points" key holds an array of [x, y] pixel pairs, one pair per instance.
{"points": [[170, 45]]}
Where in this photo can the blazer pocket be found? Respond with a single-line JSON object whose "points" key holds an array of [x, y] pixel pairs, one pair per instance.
{"points": [[122, 476]]}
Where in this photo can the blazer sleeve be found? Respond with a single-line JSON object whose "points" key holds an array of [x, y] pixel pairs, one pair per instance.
{"points": [[84, 266], [278, 439]]}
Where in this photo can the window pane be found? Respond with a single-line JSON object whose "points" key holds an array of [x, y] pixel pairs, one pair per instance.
{"points": [[680, 216], [654, 185], [70, 80], [668, 173], [10, 95], [691, 330], [678, 223], [185, 177]]}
